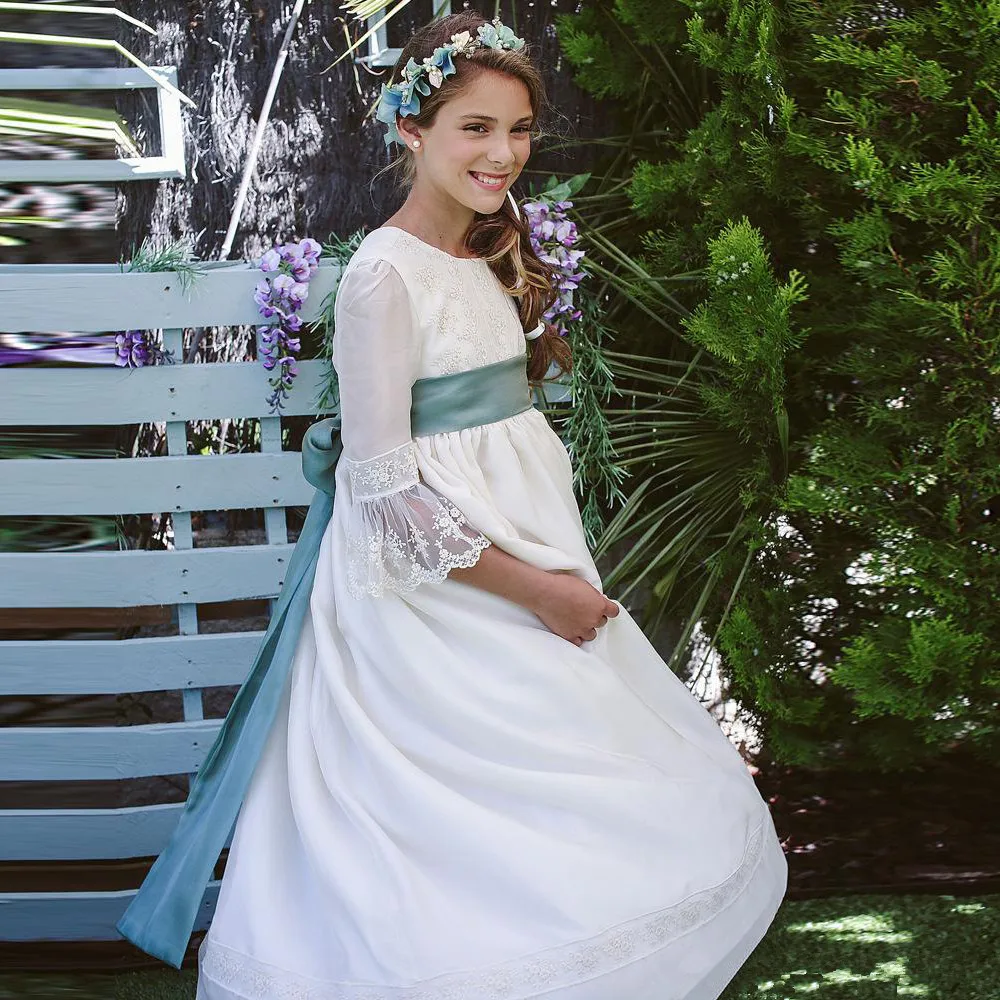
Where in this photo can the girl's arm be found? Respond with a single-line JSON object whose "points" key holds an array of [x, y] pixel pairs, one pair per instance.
{"points": [[400, 531], [376, 355], [507, 576], [567, 605]]}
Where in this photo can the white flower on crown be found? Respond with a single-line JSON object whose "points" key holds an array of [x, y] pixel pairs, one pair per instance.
{"points": [[434, 75], [463, 43]]}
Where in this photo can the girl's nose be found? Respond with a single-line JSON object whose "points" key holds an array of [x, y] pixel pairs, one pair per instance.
{"points": [[502, 155]]}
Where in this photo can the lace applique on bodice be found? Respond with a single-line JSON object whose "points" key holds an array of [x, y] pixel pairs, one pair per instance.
{"points": [[466, 319]]}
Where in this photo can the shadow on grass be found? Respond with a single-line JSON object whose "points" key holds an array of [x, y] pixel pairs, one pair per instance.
{"points": [[874, 947]]}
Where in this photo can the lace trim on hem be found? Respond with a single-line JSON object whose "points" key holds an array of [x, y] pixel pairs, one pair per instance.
{"points": [[519, 979]]}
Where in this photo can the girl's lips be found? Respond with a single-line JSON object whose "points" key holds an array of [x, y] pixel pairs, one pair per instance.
{"points": [[489, 187]]}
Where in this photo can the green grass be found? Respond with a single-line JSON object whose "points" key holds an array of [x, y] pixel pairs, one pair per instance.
{"points": [[845, 948]]}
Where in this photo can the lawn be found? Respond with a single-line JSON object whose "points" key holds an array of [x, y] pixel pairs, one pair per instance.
{"points": [[842, 948]]}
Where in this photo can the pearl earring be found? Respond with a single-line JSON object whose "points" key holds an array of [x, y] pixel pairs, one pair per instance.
{"points": [[416, 143]]}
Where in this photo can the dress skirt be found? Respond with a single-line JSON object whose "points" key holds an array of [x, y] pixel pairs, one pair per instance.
{"points": [[457, 804]]}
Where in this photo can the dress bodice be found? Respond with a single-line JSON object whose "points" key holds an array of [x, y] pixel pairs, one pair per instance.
{"points": [[463, 315]]}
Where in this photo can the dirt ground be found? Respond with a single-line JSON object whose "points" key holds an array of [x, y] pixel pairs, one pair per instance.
{"points": [[928, 829]]}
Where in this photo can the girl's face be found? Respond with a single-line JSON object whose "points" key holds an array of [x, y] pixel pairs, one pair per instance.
{"points": [[478, 144]]}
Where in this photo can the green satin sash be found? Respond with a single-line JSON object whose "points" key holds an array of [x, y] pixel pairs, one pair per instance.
{"points": [[162, 914]]}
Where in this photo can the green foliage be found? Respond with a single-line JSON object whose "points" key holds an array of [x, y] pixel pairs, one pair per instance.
{"points": [[176, 256], [585, 427], [598, 69], [744, 323], [821, 209]]}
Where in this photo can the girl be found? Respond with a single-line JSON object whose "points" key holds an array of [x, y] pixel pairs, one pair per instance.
{"points": [[481, 781]]}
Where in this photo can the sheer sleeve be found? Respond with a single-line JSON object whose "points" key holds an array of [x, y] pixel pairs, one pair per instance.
{"points": [[401, 532]]}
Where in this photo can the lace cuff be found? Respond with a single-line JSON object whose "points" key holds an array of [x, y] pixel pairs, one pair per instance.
{"points": [[383, 474], [400, 531]]}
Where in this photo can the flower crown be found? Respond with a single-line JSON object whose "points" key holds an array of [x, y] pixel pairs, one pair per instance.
{"points": [[418, 78]]}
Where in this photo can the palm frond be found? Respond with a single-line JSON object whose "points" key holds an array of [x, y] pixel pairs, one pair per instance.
{"points": [[684, 520]]}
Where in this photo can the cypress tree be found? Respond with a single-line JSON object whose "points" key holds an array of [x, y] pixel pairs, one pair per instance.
{"points": [[831, 181]]}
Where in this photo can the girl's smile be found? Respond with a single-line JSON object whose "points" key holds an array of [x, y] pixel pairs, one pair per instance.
{"points": [[492, 182]]}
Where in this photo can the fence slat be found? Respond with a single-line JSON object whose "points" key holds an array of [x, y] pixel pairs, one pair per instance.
{"points": [[45, 397], [70, 299], [125, 579], [275, 526], [77, 916], [117, 666], [153, 485], [97, 301], [88, 171], [87, 834], [104, 753]]}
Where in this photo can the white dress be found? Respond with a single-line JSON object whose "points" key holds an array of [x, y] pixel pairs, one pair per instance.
{"points": [[454, 802]]}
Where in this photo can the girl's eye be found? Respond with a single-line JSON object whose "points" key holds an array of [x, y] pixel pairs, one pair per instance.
{"points": [[517, 128]]}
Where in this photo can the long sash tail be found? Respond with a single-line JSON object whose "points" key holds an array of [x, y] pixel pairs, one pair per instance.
{"points": [[163, 912]]}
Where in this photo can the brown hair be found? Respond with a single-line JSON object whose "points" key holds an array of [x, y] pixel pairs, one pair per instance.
{"points": [[502, 238]]}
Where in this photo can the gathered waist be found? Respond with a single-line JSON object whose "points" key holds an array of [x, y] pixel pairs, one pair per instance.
{"points": [[438, 404]]}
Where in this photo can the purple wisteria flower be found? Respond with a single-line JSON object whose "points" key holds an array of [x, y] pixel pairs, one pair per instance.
{"points": [[136, 349], [279, 295], [553, 236]]}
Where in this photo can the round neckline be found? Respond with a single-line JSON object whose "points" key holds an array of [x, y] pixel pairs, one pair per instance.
{"points": [[451, 256]]}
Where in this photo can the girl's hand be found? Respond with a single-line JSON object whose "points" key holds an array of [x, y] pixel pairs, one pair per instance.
{"points": [[572, 608]]}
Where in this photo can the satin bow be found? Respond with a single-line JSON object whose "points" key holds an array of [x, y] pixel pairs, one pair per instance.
{"points": [[321, 448]]}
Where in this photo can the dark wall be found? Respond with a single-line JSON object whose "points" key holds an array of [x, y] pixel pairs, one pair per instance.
{"points": [[319, 152]]}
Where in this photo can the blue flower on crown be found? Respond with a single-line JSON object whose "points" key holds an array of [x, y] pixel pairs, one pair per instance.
{"points": [[499, 36], [403, 97], [442, 59]]}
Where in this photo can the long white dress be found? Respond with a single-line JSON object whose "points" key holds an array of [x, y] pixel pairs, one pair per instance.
{"points": [[454, 802]]}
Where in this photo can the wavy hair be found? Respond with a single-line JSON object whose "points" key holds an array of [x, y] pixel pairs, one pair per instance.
{"points": [[502, 238]]}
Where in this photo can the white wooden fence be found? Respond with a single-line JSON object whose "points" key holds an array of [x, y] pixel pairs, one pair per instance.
{"points": [[98, 298]]}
